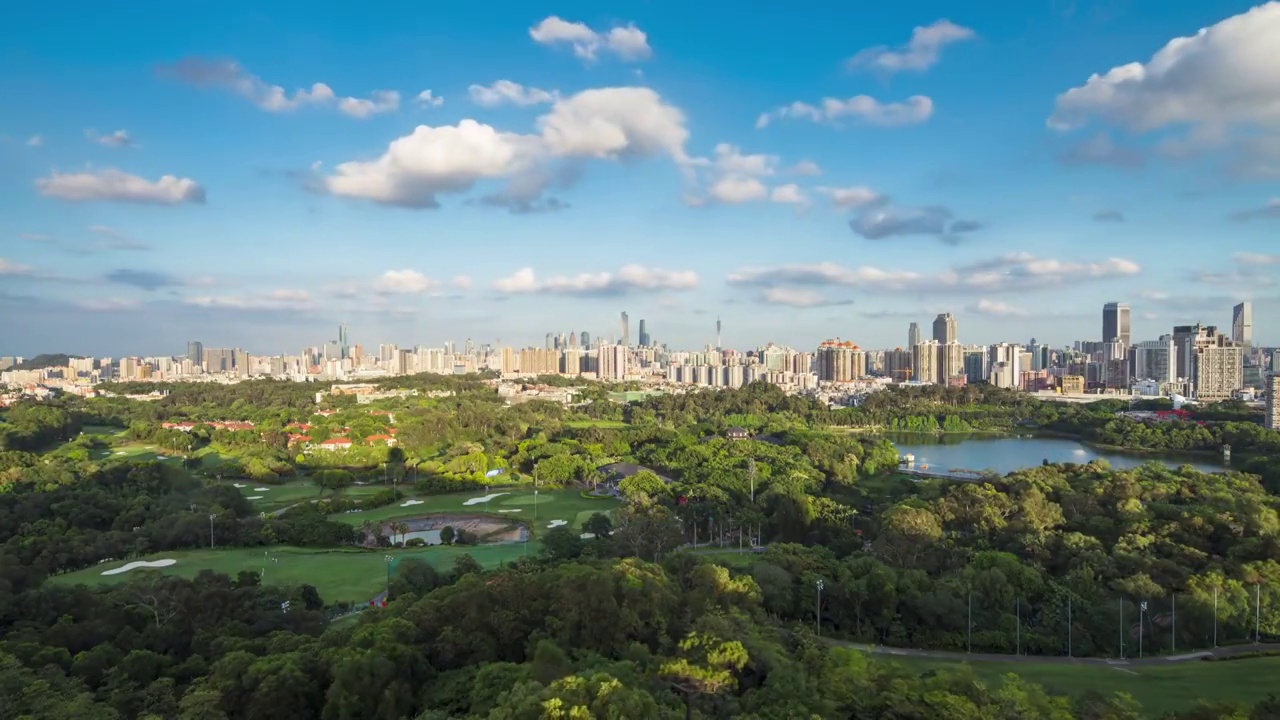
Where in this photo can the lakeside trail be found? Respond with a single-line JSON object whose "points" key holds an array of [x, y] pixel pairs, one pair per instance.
{"points": [[954, 656]]}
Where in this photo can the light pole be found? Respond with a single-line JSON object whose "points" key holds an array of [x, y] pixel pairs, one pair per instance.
{"points": [[1142, 612], [1173, 599], [210, 531], [819, 586]]}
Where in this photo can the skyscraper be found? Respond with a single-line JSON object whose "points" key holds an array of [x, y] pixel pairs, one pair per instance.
{"points": [[1273, 401], [624, 334], [944, 328], [344, 343], [585, 339], [913, 335], [1115, 323], [195, 352], [1242, 325], [644, 334], [718, 346]]}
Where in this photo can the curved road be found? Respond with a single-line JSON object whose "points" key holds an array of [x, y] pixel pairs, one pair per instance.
{"points": [[951, 656]]}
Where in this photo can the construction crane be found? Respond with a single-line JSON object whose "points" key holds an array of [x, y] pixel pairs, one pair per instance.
{"points": [[906, 375]]}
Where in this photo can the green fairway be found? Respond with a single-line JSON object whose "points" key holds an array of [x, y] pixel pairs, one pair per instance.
{"points": [[130, 451], [347, 574], [609, 424], [275, 497], [566, 505], [1160, 689]]}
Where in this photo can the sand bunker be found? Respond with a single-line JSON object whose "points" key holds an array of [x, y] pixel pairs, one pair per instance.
{"points": [[510, 510], [140, 564], [410, 503], [485, 499], [254, 497], [237, 485], [587, 536], [262, 489], [557, 523]]}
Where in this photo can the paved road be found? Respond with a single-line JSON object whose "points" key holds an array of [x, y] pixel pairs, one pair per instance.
{"points": [[1222, 652]]}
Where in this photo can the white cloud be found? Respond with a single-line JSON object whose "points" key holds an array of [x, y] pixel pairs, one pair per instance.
{"points": [[118, 139], [1015, 272], [462, 282], [853, 198], [107, 304], [793, 297], [505, 91], [1224, 75], [789, 194], [116, 186], [379, 101], [1248, 258], [913, 111], [605, 123], [35, 141], [403, 282], [12, 268], [995, 308], [427, 99], [919, 54], [733, 177], [627, 279], [287, 300], [735, 189], [805, 167], [878, 221], [627, 42]]}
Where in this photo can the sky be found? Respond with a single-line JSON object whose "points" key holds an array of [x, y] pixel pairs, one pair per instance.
{"points": [[425, 172]]}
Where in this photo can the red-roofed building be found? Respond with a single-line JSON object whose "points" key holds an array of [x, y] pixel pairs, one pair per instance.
{"points": [[326, 413], [180, 426], [385, 439], [338, 443], [294, 438]]}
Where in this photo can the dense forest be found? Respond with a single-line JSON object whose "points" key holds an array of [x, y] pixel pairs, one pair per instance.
{"points": [[630, 622]]}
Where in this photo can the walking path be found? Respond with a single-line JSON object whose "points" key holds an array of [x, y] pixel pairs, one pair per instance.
{"points": [[951, 656]]}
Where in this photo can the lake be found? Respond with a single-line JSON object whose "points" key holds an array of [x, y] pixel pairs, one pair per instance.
{"points": [[1006, 454]]}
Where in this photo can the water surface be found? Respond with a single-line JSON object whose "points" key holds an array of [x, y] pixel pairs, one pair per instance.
{"points": [[1007, 454]]}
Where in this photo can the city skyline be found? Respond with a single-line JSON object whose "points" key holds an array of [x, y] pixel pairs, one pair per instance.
{"points": [[250, 185]]}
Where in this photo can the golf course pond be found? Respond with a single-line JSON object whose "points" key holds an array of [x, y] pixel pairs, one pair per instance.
{"points": [[1005, 454]]}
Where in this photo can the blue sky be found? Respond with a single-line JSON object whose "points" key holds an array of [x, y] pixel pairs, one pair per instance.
{"points": [[803, 172]]}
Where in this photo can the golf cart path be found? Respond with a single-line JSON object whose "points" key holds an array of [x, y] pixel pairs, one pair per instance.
{"points": [[951, 656]]}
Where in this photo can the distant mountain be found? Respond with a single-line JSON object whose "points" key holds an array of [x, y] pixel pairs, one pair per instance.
{"points": [[45, 361]]}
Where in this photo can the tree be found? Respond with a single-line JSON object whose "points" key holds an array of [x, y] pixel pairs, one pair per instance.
{"points": [[561, 543], [447, 535], [706, 666], [599, 525]]}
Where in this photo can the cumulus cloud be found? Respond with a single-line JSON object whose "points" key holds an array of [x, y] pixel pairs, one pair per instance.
{"points": [[797, 298], [853, 198], [920, 53], [116, 240], [734, 189], [805, 167], [863, 108], [380, 101], [403, 282], [1099, 149], [789, 194], [627, 279], [1108, 216], [229, 75], [112, 185], [996, 308], [1269, 211], [1223, 75], [1248, 258], [877, 222], [117, 139], [462, 282], [1013, 272], [503, 92], [627, 42], [605, 124], [732, 177], [427, 99]]}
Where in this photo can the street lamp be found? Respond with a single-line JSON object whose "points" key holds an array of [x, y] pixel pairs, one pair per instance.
{"points": [[388, 558], [820, 586]]}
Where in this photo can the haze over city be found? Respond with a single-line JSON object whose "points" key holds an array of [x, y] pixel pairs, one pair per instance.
{"points": [[498, 173]]}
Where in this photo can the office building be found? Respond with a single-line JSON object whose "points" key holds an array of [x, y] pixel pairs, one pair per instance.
{"points": [[344, 343], [1273, 401], [1184, 337], [1115, 323], [585, 339], [913, 336], [1154, 360], [1217, 366], [944, 329], [611, 360], [644, 334], [624, 327], [195, 352], [1242, 325], [975, 364]]}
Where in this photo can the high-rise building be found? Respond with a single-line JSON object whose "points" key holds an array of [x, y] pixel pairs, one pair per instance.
{"points": [[924, 360], [898, 364], [950, 361], [573, 339], [195, 352], [1115, 323], [1217, 366], [975, 364], [840, 361], [624, 328], [1273, 400], [551, 340], [644, 334], [344, 342], [944, 329], [1155, 360], [913, 335], [1242, 325], [718, 345], [611, 361], [585, 338]]}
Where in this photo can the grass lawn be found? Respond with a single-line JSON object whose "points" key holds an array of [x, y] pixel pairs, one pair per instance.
{"points": [[739, 559], [1160, 689], [609, 424], [101, 430], [130, 451], [567, 505], [275, 497], [344, 574]]}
